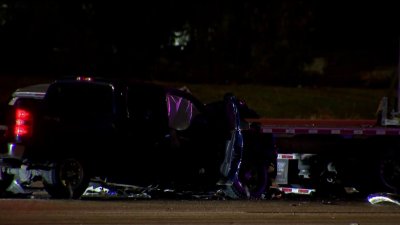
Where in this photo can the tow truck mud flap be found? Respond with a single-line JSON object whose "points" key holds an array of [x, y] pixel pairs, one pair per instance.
{"points": [[283, 175]]}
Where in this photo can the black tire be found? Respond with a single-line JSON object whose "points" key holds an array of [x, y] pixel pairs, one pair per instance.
{"points": [[252, 181], [5, 182], [68, 180], [389, 172]]}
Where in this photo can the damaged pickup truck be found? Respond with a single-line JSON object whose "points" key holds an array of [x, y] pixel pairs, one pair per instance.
{"points": [[83, 128]]}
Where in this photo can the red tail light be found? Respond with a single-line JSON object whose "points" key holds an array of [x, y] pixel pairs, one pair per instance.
{"points": [[23, 123]]}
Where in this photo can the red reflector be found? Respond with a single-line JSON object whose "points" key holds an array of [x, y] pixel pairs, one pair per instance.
{"points": [[303, 191], [287, 190], [287, 156]]}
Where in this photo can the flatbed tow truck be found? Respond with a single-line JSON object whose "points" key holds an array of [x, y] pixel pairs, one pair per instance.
{"points": [[336, 155]]}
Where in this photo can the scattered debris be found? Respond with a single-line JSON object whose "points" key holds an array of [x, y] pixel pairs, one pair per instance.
{"points": [[384, 198], [351, 190], [99, 189]]}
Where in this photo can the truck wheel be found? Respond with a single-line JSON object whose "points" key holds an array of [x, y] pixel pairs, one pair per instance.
{"points": [[389, 172], [66, 180], [5, 183], [252, 181]]}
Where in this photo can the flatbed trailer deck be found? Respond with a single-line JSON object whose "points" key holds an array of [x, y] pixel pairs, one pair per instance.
{"points": [[335, 127]]}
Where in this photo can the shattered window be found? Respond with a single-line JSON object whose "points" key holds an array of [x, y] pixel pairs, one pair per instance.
{"points": [[181, 111]]}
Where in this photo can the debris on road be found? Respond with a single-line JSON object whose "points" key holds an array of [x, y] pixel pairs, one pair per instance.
{"points": [[384, 198]]}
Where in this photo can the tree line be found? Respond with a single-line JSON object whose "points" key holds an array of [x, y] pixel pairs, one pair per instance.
{"points": [[273, 42]]}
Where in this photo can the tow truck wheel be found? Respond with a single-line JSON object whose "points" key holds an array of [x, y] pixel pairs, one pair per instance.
{"points": [[252, 181], [67, 180], [390, 172]]}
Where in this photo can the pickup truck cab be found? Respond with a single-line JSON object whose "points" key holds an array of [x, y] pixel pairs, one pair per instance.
{"points": [[135, 133]]}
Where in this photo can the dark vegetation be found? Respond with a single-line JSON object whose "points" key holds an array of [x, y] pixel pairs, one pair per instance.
{"points": [[307, 43], [259, 50]]}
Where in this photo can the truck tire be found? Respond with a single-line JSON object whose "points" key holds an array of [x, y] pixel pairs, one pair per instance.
{"points": [[389, 171], [257, 168], [67, 180], [5, 182], [252, 181]]}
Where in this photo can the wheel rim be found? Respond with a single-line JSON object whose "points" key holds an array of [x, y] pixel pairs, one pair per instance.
{"points": [[71, 174], [253, 180], [250, 178]]}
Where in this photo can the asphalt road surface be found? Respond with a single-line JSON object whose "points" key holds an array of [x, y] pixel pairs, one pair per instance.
{"points": [[129, 211]]}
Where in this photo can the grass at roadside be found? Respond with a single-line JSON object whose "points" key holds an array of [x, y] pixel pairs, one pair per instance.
{"points": [[308, 103], [268, 101]]}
